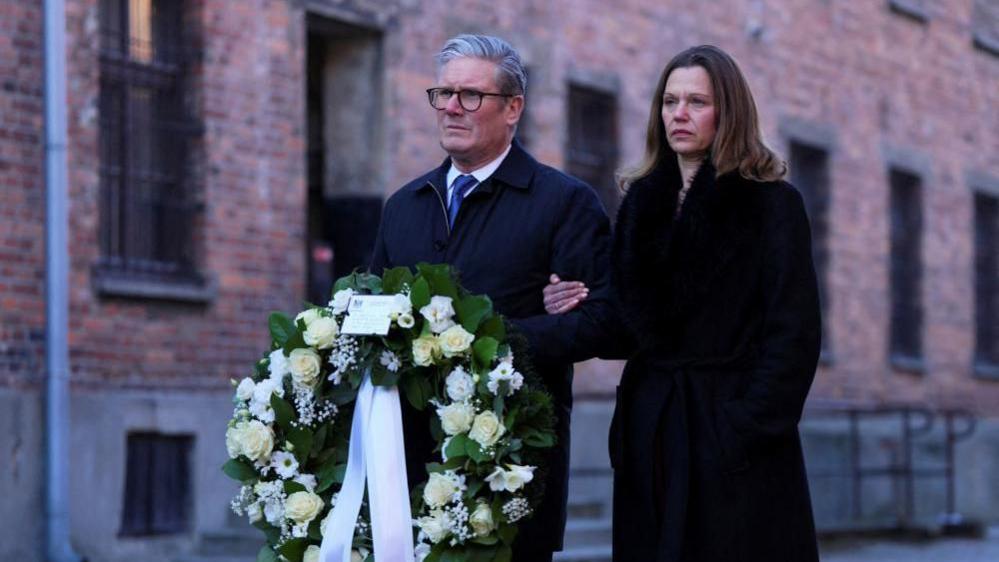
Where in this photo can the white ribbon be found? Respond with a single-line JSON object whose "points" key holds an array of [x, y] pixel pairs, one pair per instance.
{"points": [[377, 416]]}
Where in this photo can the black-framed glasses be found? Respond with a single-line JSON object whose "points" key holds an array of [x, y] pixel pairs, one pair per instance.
{"points": [[469, 100]]}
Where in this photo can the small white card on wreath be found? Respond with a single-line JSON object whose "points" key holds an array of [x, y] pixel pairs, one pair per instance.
{"points": [[368, 315]]}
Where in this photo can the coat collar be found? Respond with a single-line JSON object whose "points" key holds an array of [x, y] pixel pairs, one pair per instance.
{"points": [[516, 171], [666, 263]]}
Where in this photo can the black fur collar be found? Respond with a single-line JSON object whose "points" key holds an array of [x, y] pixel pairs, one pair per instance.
{"points": [[664, 266]]}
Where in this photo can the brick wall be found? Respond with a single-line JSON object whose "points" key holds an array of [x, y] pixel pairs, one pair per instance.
{"points": [[882, 83], [22, 197]]}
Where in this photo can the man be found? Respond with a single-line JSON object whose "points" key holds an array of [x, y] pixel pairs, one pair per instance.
{"points": [[505, 222]]}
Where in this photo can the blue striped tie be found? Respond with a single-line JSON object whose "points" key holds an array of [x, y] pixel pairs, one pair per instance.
{"points": [[462, 184]]}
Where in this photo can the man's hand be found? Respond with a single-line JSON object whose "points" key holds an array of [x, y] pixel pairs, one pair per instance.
{"points": [[563, 296]]}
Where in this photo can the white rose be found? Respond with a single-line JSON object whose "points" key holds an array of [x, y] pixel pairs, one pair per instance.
{"points": [[245, 389], [406, 321], [438, 490], [321, 333], [455, 341], [481, 519], [278, 366], [311, 554], [435, 526], [305, 366], [486, 429], [233, 440], [460, 385], [439, 313], [340, 300], [456, 418], [425, 349], [302, 507], [308, 316], [256, 440], [517, 476], [254, 513]]}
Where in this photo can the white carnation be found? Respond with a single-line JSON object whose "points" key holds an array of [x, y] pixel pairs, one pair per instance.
{"points": [[245, 389], [401, 305], [307, 480], [340, 300], [435, 526], [278, 366], [274, 512], [439, 313], [460, 385], [254, 513]]}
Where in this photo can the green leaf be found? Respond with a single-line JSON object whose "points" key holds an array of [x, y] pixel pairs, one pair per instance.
{"points": [[295, 341], [417, 388], [281, 327], [471, 310], [484, 351], [537, 439], [266, 554], [343, 394], [419, 295], [240, 470], [475, 452], [345, 282], [451, 464], [504, 554], [272, 533], [507, 532], [301, 439], [284, 414], [290, 487], [319, 440], [369, 282], [440, 279], [492, 327], [498, 404], [487, 540], [294, 549], [473, 489], [393, 279], [457, 447]]}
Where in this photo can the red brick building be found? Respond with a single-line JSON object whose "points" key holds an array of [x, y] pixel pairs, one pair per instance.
{"points": [[218, 149]]}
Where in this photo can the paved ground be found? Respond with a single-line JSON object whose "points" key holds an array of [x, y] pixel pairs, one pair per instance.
{"points": [[937, 550]]}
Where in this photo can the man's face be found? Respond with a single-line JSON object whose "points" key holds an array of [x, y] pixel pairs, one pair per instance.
{"points": [[473, 138]]}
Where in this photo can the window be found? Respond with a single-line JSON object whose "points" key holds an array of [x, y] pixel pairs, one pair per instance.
{"points": [[810, 174], [157, 484], [593, 142], [147, 210], [906, 270], [987, 284]]}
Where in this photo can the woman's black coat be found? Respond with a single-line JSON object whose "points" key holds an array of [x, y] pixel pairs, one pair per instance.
{"points": [[723, 302]]}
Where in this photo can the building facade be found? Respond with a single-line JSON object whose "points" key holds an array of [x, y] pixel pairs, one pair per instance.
{"points": [[227, 159]]}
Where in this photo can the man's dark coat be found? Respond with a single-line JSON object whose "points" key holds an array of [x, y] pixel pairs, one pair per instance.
{"points": [[525, 222], [723, 304]]}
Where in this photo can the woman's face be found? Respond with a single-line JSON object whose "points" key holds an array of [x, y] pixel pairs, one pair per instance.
{"points": [[689, 111]]}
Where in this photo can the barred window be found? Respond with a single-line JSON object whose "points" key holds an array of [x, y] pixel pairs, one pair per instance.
{"points": [[906, 270], [147, 209], [593, 148], [157, 484], [810, 174], [987, 283]]}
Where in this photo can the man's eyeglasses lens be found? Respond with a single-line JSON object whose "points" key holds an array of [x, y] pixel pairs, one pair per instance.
{"points": [[470, 100]]}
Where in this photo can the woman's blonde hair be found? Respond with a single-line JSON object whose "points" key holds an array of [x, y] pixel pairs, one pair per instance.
{"points": [[738, 143]]}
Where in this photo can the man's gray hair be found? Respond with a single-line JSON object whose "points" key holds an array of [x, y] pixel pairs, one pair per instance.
{"points": [[511, 77]]}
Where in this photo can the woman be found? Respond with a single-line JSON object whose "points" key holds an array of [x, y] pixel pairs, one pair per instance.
{"points": [[715, 283]]}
